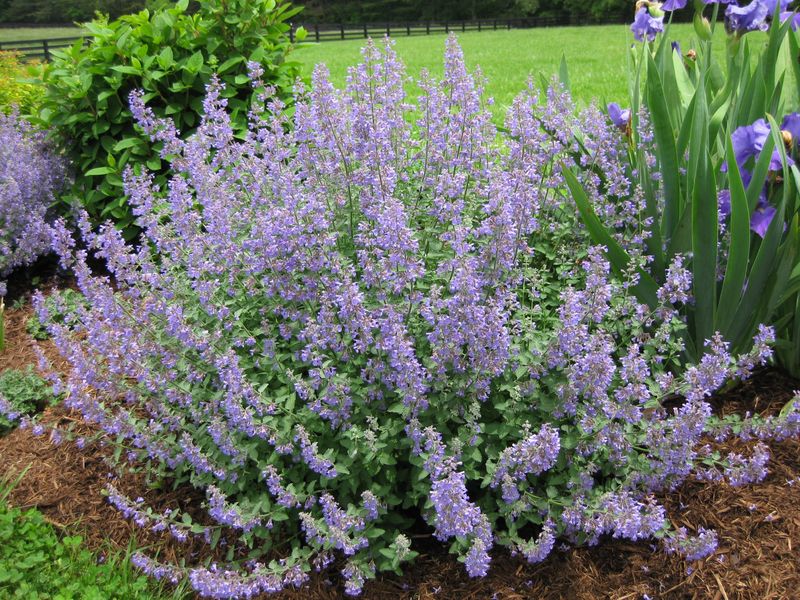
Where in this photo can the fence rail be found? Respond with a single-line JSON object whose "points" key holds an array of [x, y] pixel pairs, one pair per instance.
{"points": [[39, 48], [348, 31], [342, 31]]}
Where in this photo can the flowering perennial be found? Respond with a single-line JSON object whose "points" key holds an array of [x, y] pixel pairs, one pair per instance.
{"points": [[362, 315], [29, 176]]}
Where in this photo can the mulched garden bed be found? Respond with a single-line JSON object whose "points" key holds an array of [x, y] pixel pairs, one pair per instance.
{"points": [[758, 525]]}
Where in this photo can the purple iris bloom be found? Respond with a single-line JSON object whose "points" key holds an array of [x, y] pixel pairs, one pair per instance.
{"points": [[741, 19], [619, 116], [795, 17], [761, 218], [775, 163], [671, 5], [676, 46], [646, 26], [748, 141], [791, 123], [717, 1]]}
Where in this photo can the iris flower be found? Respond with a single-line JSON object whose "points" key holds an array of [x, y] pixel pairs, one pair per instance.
{"points": [[646, 25]]}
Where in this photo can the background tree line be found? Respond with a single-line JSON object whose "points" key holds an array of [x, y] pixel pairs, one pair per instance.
{"points": [[343, 11]]}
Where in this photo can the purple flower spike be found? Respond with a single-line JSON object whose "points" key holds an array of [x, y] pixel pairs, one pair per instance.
{"points": [[724, 203], [646, 26]]}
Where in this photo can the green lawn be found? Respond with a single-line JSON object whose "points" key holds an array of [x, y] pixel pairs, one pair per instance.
{"points": [[597, 58], [8, 34]]}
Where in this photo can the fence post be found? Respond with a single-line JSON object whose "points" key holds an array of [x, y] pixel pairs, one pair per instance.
{"points": [[408, 29], [446, 27], [463, 26], [341, 28], [46, 48], [316, 32], [509, 25], [427, 28], [388, 30], [479, 25], [495, 24], [366, 34]]}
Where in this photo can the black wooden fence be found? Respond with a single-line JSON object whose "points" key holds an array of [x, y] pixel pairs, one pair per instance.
{"points": [[331, 32], [39, 48], [342, 31]]}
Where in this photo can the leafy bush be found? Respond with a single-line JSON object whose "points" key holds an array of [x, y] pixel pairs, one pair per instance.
{"points": [[30, 174], [721, 185], [170, 54], [58, 306], [36, 563], [15, 93], [22, 393], [347, 327]]}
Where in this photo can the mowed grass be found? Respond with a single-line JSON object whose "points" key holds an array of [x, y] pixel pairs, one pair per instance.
{"points": [[598, 58], [14, 34]]}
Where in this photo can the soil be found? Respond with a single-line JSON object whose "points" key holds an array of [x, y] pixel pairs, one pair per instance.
{"points": [[758, 525]]}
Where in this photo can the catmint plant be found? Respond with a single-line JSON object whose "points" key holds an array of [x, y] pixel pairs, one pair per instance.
{"points": [[351, 318], [30, 175]]}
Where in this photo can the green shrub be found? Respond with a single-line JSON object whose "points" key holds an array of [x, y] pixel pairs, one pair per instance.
{"points": [[24, 392], [13, 90], [170, 55]]}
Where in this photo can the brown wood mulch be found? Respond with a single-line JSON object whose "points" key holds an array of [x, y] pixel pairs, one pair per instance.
{"points": [[758, 525]]}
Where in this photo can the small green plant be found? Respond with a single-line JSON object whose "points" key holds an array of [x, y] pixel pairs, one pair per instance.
{"points": [[22, 392], [56, 306], [35, 563]]}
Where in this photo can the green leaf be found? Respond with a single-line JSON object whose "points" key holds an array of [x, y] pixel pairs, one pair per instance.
{"points": [[665, 143], [194, 62], [563, 73], [739, 247], [99, 171]]}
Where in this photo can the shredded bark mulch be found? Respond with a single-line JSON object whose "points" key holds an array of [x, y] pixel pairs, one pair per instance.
{"points": [[758, 525]]}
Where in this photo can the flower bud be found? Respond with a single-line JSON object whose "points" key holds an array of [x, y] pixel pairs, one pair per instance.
{"points": [[787, 138], [702, 27], [655, 10]]}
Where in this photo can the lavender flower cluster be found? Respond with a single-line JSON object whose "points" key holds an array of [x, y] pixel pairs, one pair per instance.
{"points": [[352, 314], [30, 174]]}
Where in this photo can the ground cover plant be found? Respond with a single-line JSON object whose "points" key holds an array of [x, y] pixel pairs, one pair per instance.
{"points": [[35, 562], [22, 393], [358, 321]]}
